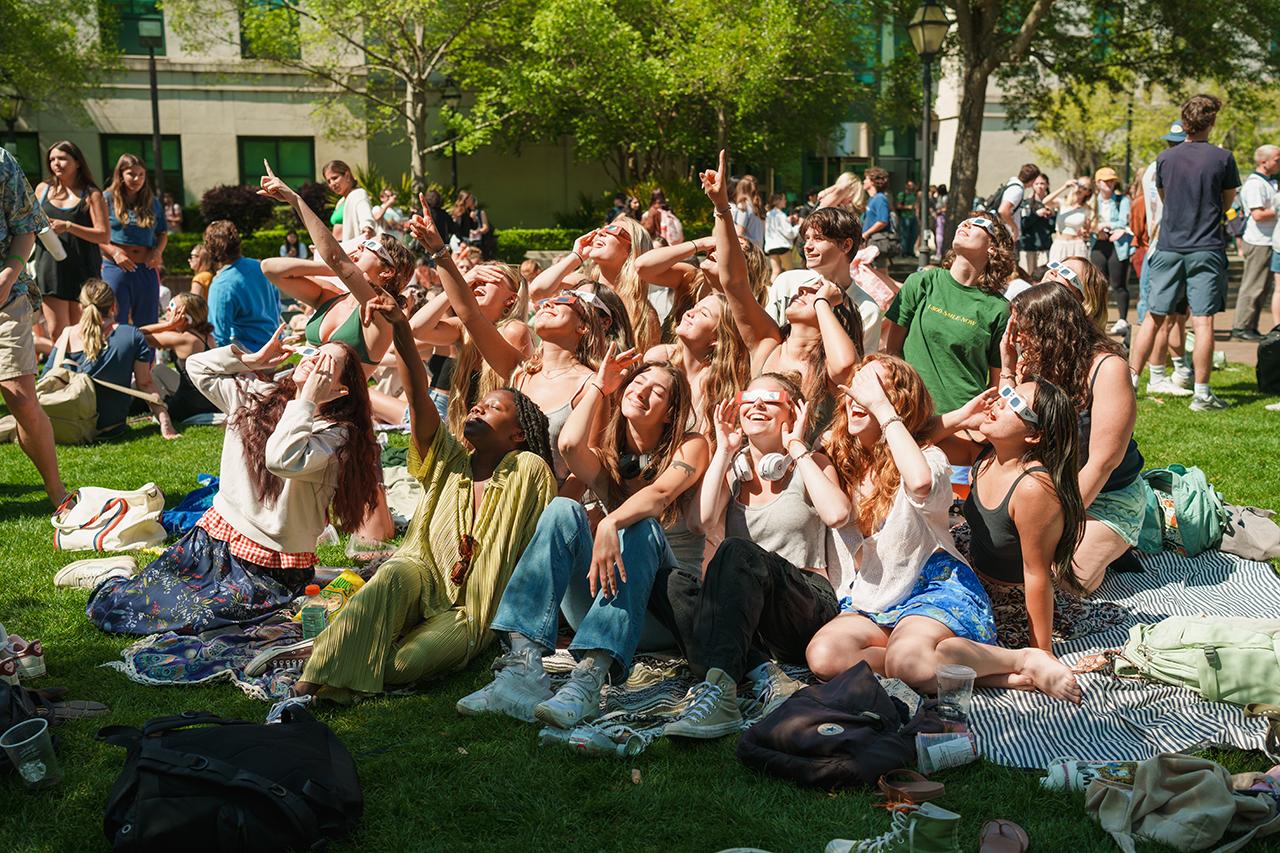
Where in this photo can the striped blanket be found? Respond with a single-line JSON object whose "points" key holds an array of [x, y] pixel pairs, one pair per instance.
{"points": [[1122, 720]]}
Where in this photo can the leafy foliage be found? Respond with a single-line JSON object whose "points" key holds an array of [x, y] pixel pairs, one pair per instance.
{"points": [[44, 56], [241, 205]]}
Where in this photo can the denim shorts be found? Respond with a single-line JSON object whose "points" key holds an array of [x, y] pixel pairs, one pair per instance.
{"points": [[1275, 261], [1200, 276], [1122, 510]]}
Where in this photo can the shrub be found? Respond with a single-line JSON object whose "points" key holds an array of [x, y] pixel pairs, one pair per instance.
{"points": [[247, 210], [513, 243], [192, 219], [685, 195], [317, 197], [263, 244]]}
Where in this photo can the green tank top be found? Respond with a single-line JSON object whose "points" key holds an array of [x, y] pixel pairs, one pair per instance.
{"points": [[348, 332]]}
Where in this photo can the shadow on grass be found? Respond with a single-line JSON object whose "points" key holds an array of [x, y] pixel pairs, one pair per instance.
{"points": [[23, 499]]}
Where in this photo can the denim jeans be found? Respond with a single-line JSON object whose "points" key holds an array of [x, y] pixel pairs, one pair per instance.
{"points": [[1144, 285], [558, 558]]}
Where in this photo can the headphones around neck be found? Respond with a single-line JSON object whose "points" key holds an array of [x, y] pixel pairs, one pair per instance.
{"points": [[632, 465], [772, 467]]}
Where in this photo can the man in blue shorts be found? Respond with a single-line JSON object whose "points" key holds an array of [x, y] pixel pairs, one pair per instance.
{"points": [[1197, 181]]}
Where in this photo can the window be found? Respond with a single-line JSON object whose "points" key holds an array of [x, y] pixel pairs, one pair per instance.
{"points": [[293, 159], [118, 20], [273, 27], [114, 145], [27, 154]]}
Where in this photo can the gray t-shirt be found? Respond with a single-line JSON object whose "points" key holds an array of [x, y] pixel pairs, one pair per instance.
{"points": [[788, 525]]}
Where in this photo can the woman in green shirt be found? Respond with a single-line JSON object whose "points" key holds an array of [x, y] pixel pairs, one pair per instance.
{"points": [[947, 323]]}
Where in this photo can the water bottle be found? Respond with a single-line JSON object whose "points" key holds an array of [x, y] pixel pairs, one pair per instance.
{"points": [[314, 615], [52, 243], [589, 741]]}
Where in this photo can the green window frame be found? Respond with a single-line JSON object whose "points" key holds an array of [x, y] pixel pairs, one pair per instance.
{"points": [[118, 22], [27, 154], [292, 158], [116, 144]]}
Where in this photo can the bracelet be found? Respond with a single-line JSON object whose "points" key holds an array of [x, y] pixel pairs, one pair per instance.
{"points": [[581, 260], [896, 417], [439, 253], [824, 299], [17, 258], [723, 214], [1009, 375]]}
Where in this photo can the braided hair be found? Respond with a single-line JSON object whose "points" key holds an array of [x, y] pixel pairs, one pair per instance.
{"points": [[532, 420]]}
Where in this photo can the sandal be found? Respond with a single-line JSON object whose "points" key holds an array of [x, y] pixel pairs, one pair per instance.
{"points": [[78, 709], [916, 791], [1003, 836]]}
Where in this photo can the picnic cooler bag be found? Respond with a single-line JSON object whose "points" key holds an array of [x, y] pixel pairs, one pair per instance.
{"points": [[97, 519], [842, 734], [1223, 659], [197, 782]]}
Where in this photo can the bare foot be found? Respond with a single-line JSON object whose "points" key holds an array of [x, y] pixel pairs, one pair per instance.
{"points": [[1049, 675], [304, 688], [1007, 681]]}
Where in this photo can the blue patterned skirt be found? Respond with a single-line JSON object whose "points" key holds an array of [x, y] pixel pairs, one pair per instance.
{"points": [[196, 585], [947, 591]]}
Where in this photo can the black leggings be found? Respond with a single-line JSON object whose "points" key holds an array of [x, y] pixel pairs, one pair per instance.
{"points": [[1104, 257]]}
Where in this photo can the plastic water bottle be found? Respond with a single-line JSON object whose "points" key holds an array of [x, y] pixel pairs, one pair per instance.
{"points": [[589, 741], [53, 244], [314, 615]]}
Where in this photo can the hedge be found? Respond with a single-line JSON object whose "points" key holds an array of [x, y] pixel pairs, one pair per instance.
{"points": [[513, 243]]}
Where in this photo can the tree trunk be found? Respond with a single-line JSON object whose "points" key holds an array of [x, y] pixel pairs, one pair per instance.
{"points": [[964, 168], [415, 107]]}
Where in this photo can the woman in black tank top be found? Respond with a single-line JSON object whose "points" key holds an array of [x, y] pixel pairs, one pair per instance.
{"points": [[1025, 514]]}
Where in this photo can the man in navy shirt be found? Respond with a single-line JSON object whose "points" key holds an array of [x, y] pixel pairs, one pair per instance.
{"points": [[1197, 181]]}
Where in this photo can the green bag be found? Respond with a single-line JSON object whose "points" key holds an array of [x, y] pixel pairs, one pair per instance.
{"points": [[1223, 659], [1184, 513]]}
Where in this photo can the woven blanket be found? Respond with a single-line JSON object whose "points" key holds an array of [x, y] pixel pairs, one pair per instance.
{"points": [[1123, 720]]}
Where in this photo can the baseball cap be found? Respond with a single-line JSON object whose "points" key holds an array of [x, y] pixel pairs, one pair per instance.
{"points": [[1175, 134], [1106, 173]]}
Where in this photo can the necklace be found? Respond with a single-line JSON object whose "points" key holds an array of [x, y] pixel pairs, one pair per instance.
{"points": [[561, 372]]}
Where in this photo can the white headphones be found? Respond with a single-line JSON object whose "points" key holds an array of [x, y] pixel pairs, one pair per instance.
{"points": [[772, 467]]}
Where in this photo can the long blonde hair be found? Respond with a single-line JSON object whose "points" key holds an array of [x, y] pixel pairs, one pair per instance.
{"points": [[143, 203], [906, 390], [730, 369], [469, 359], [633, 289], [97, 300]]}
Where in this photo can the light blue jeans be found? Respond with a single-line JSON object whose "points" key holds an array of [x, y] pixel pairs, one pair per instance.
{"points": [[556, 563]]}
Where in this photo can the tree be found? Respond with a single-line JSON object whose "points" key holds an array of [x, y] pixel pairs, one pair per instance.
{"points": [[645, 86], [377, 65], [1038, 46], [46, 57]]}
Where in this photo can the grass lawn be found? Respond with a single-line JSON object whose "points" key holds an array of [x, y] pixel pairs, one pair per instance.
{"points": [[467, 784]]}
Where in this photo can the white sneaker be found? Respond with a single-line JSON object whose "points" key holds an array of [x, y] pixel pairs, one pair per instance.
{"points": [[1208, 404], [1120, 326], [1166, 386], [292, 657], [577, 701], [1273, 407], [519, 683], [275, 715], [1183, 380]]}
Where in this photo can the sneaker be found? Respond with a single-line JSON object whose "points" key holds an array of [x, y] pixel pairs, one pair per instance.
{"points": [[9, 670], [519, 683], [288, 658], [1207, 404], [30, 656], [577, 701], [711, 710], [776, 687], [1183, 380], [1273, 407], [915, 829], [1250, 335], [277, 710], [1167, 387], [1120, 327]]}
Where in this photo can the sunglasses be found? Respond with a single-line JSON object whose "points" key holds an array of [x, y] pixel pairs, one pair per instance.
{"points": [[1019, 405], [763, 395], [379, 250], [618, 231], [1069, 274], [983, 223], [570, 298], [466, 547], [594, 301]]}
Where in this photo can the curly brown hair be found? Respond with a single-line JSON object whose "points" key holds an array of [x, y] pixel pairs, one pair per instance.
{"points": [[357, 457], [1059, 340], [906, 390], [1001, 262]]}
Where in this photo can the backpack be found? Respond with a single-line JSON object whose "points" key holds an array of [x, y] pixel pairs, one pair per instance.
{"points": [[1269, 361], [1223, 659], [229, 785], [1184, 513], [992, 202], [841, 734]]}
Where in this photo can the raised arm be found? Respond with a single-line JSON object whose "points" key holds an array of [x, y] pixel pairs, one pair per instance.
{"points": [[842, 354], [550, 281], [424, 419], [575, 442], [760, 333], [867, 391], [295, 278], [327, 246], [497, 351], [955, 432], [707, 510], [829, 500], [665, 267]]}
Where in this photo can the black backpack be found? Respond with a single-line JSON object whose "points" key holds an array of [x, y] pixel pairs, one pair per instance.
{"points": [[230, 785], [1269, 362], [845, 733], [992, 202]]}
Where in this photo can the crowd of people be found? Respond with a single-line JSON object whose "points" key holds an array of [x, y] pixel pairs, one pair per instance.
{"points": [[759, 467]]}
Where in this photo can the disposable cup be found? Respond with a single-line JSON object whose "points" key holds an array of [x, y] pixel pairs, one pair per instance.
{"points": [[30, 748], [955, 695]]}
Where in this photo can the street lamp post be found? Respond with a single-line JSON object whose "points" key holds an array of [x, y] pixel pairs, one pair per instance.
{"points": [[151, 36], [452, 97], [928, 28], [11, 103]]}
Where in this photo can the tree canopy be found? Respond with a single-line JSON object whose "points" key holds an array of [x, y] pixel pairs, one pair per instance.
{"points": [[50, 53]]}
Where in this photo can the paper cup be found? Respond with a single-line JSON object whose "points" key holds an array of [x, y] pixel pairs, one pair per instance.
{"points": [[30, 748]]}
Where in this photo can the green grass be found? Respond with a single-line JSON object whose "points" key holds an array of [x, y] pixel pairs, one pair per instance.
{"points": [[455, 783]]}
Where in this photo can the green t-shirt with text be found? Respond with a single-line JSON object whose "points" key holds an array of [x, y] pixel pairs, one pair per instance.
{"points": [[953, 335]]}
